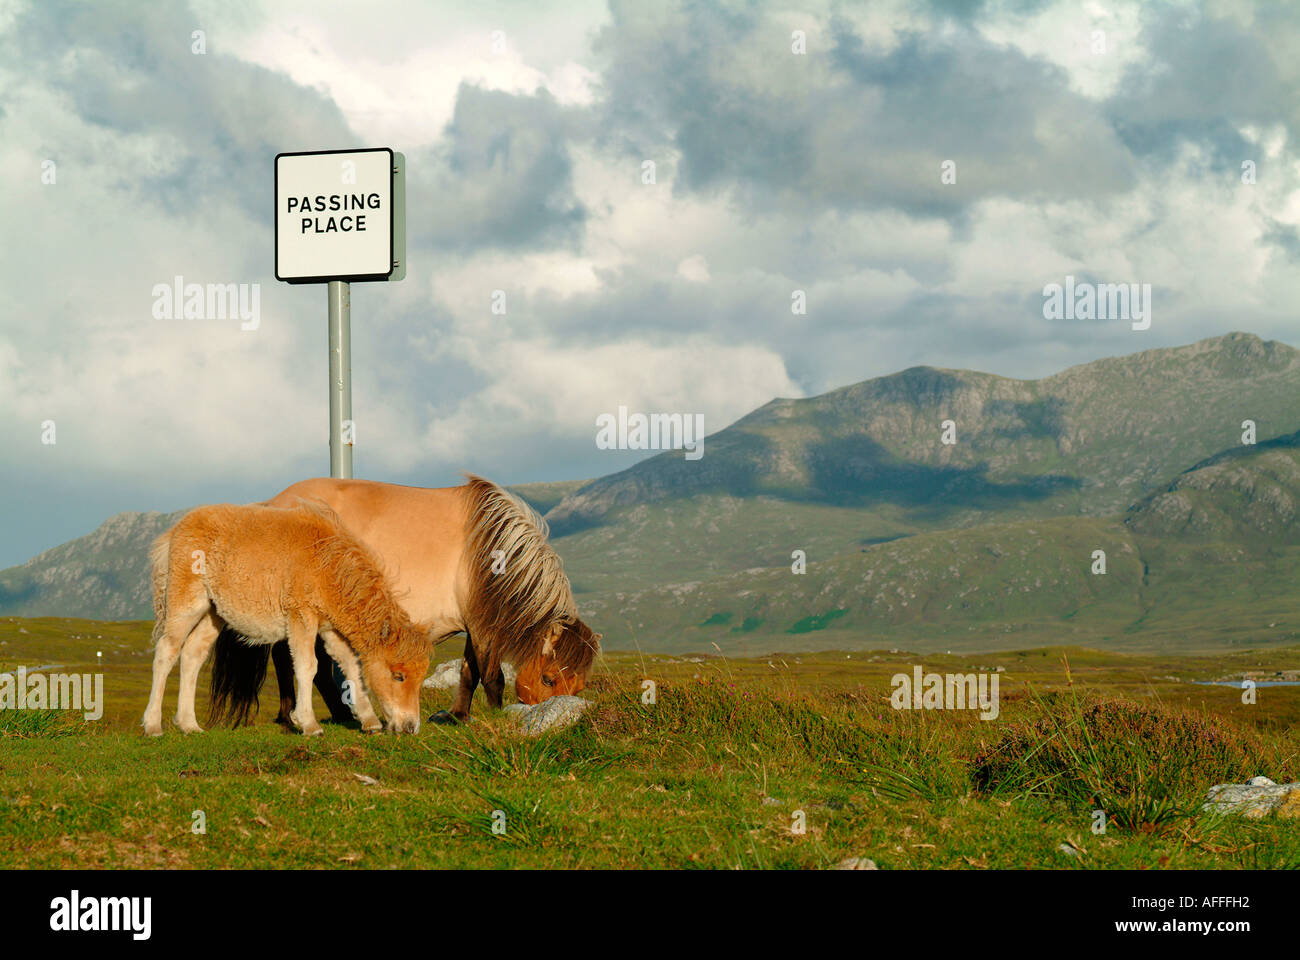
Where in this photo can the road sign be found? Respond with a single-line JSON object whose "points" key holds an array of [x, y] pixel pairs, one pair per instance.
{"points": [[340, 216]]}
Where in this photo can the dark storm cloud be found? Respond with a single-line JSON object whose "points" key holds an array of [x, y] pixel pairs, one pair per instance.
{"points": [[503, 176], [1213, 77], [849, 126], [969, 11], [137, 74]]}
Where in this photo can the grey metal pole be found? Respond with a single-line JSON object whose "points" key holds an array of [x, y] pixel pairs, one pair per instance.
{"points": [[341, 427]]}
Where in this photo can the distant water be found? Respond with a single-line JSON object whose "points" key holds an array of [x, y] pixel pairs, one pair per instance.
{"points": [[13, 675], [31, 670], [1241, 684]]}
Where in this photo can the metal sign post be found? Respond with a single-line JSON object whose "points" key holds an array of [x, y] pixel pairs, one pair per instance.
{"points": [[340, 217], [341, 427]]}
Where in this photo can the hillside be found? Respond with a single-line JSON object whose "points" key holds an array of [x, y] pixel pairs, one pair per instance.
{"points": [[1211, 559], [995, 586], [1249, 493]]}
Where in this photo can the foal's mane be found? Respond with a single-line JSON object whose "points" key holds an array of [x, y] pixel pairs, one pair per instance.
{"points": [[363, 594], [514, 609]]}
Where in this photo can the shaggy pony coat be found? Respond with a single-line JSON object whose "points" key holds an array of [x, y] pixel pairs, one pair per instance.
{"points": [[472, 559], [270, 574]]}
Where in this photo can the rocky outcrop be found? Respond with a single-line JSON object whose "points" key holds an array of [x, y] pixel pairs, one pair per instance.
{"points": [[1254, 799], [555, 713], [1246, 492]]}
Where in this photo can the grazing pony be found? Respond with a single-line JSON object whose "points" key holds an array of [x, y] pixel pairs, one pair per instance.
{"points": [[472, 559], [272, 573]]}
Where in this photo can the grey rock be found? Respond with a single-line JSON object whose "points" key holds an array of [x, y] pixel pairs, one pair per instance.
{"points": [[555, 713], [856, 863], [1258, 797], [446, 675]]}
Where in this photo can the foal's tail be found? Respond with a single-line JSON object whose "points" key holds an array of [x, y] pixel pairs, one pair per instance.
{"points": [[238, 672], [159, 560], [159, 557]]}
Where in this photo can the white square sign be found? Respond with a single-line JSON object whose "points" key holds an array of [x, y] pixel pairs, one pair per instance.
{"points": [[334, 215]]}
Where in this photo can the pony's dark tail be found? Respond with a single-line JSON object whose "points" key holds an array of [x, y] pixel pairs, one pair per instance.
{"points": [[238, 672]]}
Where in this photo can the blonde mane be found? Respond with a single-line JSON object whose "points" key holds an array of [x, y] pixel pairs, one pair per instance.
{"points": [[360, 592], [516, 607]]}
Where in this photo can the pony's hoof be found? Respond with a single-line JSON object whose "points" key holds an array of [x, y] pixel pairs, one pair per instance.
{"points": [[373, 727], [193, 729], [315, 731], [444, 717], [153, 731]]}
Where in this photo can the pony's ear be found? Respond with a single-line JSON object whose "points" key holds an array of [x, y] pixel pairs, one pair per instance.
{"points": [[548, 645]]}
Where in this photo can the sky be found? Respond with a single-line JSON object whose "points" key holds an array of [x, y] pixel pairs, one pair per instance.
{"points": [[796, 147]]}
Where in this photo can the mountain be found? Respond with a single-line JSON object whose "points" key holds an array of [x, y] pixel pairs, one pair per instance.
{"points": [[101, 576], [864, 464], [1087, 441], [909, 541], [1210, 558], [1250, 493]]}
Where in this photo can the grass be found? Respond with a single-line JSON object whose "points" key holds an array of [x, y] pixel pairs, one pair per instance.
{"points": [[712, 774], [1143, 765]]}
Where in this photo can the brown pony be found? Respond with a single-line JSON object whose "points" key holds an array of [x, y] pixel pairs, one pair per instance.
{"points": [[470, 559], [270, 573]]}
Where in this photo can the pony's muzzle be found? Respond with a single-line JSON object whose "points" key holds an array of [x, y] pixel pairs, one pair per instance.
{"points": [[407, 725]]}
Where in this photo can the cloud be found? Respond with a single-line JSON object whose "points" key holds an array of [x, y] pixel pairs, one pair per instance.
{"points": [[548, 404], [525, 132], [503, 175], [854, 123]]}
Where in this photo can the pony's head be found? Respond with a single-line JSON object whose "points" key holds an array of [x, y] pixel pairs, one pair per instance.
{"points": [[521, 603], [394, 672], [562, 665]]}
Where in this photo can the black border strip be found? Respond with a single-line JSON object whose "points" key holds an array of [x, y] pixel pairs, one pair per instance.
{"points": [[938, 911]]}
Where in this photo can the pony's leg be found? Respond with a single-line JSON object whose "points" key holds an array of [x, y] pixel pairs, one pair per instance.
{"points": [[193, 655], [340, 650], [183, 613], [468, 682], [492, 678], [302, 647], [153, 711], [284, 680], [329, 690]]}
